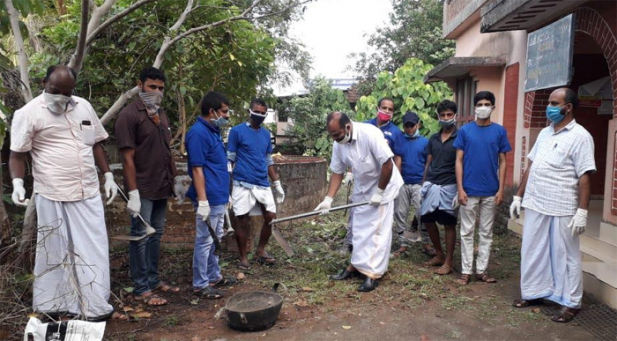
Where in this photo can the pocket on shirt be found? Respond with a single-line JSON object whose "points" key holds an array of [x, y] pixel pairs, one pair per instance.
{"points": [[88, 135]]}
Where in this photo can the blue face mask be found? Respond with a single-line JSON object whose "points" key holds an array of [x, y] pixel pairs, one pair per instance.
{"points": [[414, 135], [554, 114], [220, 121]]}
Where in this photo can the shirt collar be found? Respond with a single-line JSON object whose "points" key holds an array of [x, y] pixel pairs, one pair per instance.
{"points": [[248, 124], [354, 132], [568, 127], [438, 135]]}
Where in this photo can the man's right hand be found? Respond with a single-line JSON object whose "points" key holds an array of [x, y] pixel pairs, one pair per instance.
{"points": [[203, 210], [134, 204], [19, 193], [462, 198], [515, 207], [325, 205]]}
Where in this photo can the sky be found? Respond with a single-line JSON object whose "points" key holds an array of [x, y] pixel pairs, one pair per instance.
{"points": [[331, 30]]}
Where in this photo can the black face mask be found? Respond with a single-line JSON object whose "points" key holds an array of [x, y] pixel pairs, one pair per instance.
{"points": [[258, 120]]}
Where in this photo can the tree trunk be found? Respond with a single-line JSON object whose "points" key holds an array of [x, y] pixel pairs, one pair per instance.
{"points": [[19, 47], [182, 111]]}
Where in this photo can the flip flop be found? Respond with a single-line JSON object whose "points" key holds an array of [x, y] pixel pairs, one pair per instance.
{"points": [[224, 282], [119, 316], [243, 266], [435, 261], [565, 315], [444, 270], [265, 260], [151, 300], [209, 293], [164, 287], [526, 303]]}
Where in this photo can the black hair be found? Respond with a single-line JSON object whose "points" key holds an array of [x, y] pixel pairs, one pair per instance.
{"points": [[53, 68], [572, 97], [445, 105], [212, 100], [384, 99], [343, 118], [258, 101], [150, 72], [484, 95]]}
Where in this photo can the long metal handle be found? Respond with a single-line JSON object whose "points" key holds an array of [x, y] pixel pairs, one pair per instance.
{"points": [[149, 229], [312, 213]]}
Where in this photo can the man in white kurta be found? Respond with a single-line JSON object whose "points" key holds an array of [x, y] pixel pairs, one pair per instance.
{"points": [[62, 134], [556, 191], [363, 148]]}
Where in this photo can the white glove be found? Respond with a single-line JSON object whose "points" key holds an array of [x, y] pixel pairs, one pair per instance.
{"points": [[134, 204], [578, 222], [325, 205], [230, 167], [179, 190], [230, 204], [19, 193], [348, 178], [377, 197], [455, 202], [279, 190], [111, 189], [515, 207], [203, 210]]}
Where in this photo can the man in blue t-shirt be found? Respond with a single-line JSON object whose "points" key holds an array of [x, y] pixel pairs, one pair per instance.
{"points": [[480, 175], [209, 191], [383, 121], [411, 161], [249, 149]]}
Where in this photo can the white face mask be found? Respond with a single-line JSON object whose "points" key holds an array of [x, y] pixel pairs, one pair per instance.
{"points": [[483, 112], [347, 137], [57, 104]]}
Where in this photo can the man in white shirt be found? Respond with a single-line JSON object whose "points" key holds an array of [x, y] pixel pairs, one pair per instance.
{"points": [[556, 189], [363, 148], [62, 133]]}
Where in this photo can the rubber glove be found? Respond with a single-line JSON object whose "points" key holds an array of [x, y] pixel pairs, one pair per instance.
{"points": [[203, 210], [515, 207], [348, 178], [325, 205], [179, 190], [19, 193], [377, 197], [134, 204], [280, 191], [111, 189], [578, 222]]}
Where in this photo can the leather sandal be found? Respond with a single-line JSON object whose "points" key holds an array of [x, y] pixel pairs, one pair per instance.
{"points": [[526, 303], [484, 277], [369, 284], [464, 280], [565, 315], [343, 275]]}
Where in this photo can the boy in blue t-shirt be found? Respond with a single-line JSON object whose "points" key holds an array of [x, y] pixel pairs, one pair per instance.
{"points": [[480, 175], [411, 159], [249, 149]]}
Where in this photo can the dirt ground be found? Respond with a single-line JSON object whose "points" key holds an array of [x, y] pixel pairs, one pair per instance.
{"points": [[410, 304]]}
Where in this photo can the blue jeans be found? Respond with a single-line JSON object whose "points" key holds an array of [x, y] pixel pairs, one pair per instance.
{"points": [[206, 267], [144, 254]]}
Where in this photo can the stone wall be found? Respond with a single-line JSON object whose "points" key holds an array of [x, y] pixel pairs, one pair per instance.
{"points": [[303, 178]]}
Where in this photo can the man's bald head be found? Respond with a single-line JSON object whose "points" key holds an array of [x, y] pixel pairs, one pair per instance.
{"points": [[338, 124], [565, 98], [60, 80]]}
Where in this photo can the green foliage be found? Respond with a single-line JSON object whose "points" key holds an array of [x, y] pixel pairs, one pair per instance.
{"points": [[415, 31], [308, 114], [406, 87]]}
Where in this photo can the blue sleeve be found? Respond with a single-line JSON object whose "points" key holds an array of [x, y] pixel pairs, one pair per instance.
{"points": [[504, 145], [232, 140], [195, 150], [460, 141]]}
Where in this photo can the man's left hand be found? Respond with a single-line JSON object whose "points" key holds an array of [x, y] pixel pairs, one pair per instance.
{"points": [[499, 198], [179, 190], [111, 189], [377, 197], [578, 222], [279, 190]]}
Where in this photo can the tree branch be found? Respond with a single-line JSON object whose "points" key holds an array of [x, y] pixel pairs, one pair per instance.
{"points": [[182, 18], [95, 31], [77, 58], [19, 47]]}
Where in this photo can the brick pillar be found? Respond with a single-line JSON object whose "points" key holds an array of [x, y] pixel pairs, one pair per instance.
{"points": [[510, 108]]}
